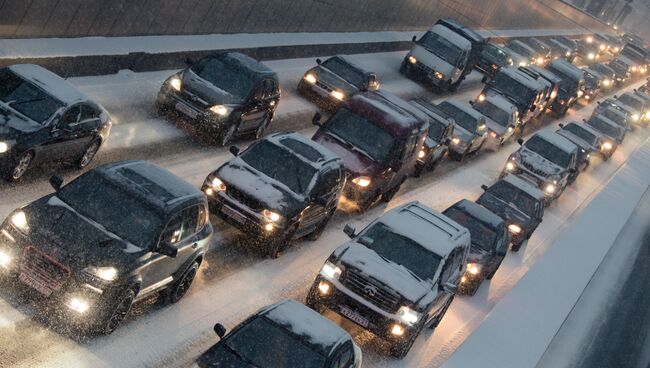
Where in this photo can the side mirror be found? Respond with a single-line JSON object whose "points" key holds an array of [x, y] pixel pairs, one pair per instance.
{"points": [[584, 120], [615, 96], [319, 61], [167, 250], [502, 252], [234, 150], [561, 125], [316, 119], [484, 187], [350, 231], [189, 61], [471, 102], [597, 102], [572, 171], [533, 108], [220, 330], [414, 38], [484, 79], [56, 182], [450, 288], [520, 141]]}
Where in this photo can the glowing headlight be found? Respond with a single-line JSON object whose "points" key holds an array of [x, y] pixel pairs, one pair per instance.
{"points": [[553, 94], [19, 220], [493, 134], [4, 147], [412, 59], [603, 47], [310, 78], [215, 184], [362, 181], [540, 61], [514, 228], [634, 68], [473, 268], [407, 315], [510, 166], [550, 188], [5, 259], [607, 82], [176, 83], [78, 305], [589, 39], [330, 270], [221, 110], [523, 63], [635, 117], [568, 53], [421, 154], [591, 56], [338, 95], [510, 62], [270, 215], [105, 273], [606, 146], [481, 97], [455, 140], [439, 75]]}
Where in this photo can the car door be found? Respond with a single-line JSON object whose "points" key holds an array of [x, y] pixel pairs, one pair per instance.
{"points": [[84, 129], [323, 199], [63, 136], [261, 104]]}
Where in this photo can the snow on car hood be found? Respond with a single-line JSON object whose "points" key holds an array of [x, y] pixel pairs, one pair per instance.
{"points": [[394, 276], [432, 61], [207, 91], [355, 163], [463, 134], [495, 127], [13, 125], [539, 162]]}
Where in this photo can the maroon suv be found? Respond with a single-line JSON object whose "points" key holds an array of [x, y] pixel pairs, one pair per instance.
{"points": [[378, 136]]}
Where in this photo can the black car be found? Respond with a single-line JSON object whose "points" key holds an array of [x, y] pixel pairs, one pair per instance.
{"points": [[613, 133], [283, 335], [280, 188], [501, 118], [551, 78], [470, 131], [519, 203], [492, 59], [585, 138], [397, 276], [114, 235], [571, 44], [608, 75], [490, 242], [571, 86], [542, 50], [436, 144], [225, 95], [332, 81], [592, 85], [45, 119]]}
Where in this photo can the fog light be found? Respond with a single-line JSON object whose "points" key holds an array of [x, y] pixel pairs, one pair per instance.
{"points": [[412, 59], [209, 191], [268, 227], [323, 287], [397, 330], [5, 259], [510, 166], [78, 305], [549, 188], [481, 97]]}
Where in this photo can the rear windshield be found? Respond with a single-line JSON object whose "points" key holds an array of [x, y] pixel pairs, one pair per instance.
{"points": [[548, 150], [462, 118], [494, 112], [345, 70], [27, 98], [441, 47], [482, 236], [584, 134], [511, 194], [226, 74]]}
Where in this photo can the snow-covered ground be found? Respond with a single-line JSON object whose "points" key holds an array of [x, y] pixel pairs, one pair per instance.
{"points": [[233, 282]]}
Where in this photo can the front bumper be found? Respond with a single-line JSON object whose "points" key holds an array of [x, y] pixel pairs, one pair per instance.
{"points": [[355, 193], [540, 181], [319, 94], [421, 72]]}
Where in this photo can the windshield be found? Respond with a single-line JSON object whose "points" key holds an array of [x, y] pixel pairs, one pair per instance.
{"points": [[548, 150], [265, 344], [591, 81], [482, 237], [493, 112], [496, 54], [441, 47], [226, 74], [603, 126], [280, 164], [26, 98], [402, 250], [122, 214], [512, 88], [436, 129], [346, 71], [511, 194], [361, 135], [584, 134], [614, 116], [462, 118], [567, 83], [520, 49], [631, 101]]}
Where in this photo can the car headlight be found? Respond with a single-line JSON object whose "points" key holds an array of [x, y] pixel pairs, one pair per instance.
{"points": [[408, 315], [331, 270], [606, 146], [603, 47], [550, 188], [510, 166], [78, 305], [568, 53], [19, 220], [214, 184], [493, 134], [362, 181], [635, 117], [514, 229], [310, 78], [456, 140], [591, 56], [607, 82], [412, 59], [523, 63], [473, 268], [107, 273], [439, 75], [422, 153], [338, 95], [6, 145], [221, 110], [271, 216], [5, 258], [176, 83], [540, 61], [481, 98]]}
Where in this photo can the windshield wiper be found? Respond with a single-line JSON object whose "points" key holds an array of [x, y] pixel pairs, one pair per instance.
{"points": [[241, 357], [14, 102]]}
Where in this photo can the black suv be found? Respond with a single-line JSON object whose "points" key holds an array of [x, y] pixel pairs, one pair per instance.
{"points": [[492, 59], [225, 95], [519, 203], [43, 119], [523, 90], [490, 242], [571, 86], [114, 235], [332, 81], [281, 187], [396, 276], [436, 144], [283, 335], [586, 139]]}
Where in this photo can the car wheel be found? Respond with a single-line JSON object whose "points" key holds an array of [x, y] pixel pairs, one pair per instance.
{"points": [[277, 245], [21, 166], [436, 321], [260, 131], [89, 154], [516, 246], [401, 349], [321, 227], [226, 136], [178, 290], [386, 197], [119, 311], [418, 170], [364, 206]]}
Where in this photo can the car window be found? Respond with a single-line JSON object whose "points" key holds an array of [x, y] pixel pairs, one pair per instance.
{"points": [[410, 146], [190, 221], [259, 92], [269, 88], [174, 230], [71, 116], [182, 225], [88, 113], [451, 265], [203, 217]]}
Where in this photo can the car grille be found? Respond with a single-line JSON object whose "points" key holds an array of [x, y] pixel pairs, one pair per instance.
{"points": [[244, 199], [371, 290], [47, 273], [193, 100], [324, 86], [533, 169]]}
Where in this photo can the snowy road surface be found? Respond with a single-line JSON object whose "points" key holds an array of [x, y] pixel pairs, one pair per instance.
{"points": [[233, 281]]}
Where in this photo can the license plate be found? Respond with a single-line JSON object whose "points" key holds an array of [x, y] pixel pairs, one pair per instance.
{"points": [[34, 283], [354, 316], [186, 110], [233, 214]]}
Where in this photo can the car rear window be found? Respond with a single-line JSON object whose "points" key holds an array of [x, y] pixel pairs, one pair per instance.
{"points": [[482, 236]]}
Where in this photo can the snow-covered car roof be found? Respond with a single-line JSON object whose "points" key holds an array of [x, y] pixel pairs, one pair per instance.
{"points": [[306, 324], [389, 111], [479, 213], [557, 140], [431, 110], [521, 77], [458, 27], [51, 83], [249, 63], [464, 106], [546, 74], [452, 36], [501, 102], [568, 69], [348, 60], [525, 186], [431, 229], [311, 152]]}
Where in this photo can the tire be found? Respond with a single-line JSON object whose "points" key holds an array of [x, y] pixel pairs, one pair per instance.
{"points": [[515, 247], [419, 169], [118, 312], [276, 246], [178, 290], [441, 315], [390, 194], [89, 154], [22, 164], [458, 156], [311, 301], [400, 349], [224, 137], [363, 207]]}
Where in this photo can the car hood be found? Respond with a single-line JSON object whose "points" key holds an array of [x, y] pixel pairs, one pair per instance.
{"points": [[507, 211], [576, 140], [270, 193], [14, 125], [220, 356], [430, 143], [355, 163], [207, 91], [73, 239], [427, 58], [539, 162], [393, 276], [494, 126], [463, 134], [334, 81]]}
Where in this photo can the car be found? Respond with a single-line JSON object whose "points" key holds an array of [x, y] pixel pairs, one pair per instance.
{"points": [[332, 81], [45, 119], [490, 241], [588, 51], [282, 187], [523, 90], [438, 59], [397, 276], [560, 50], [519, 203], [589, 141], [546, 159], [501, 118], [470, 131], [613, 132], [548, 90], [571, 86], [285, 334], [638, 105], [225, 95], [607, 74], [621, 66], [602, 42], [542, 50], [478, 42], [521, 54], [436, 144], [115, 235], [554, 80], [646, 104], [492, 59], [378, 136], [571, 44], [638, 55], [592, 85], [617, 113]]}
